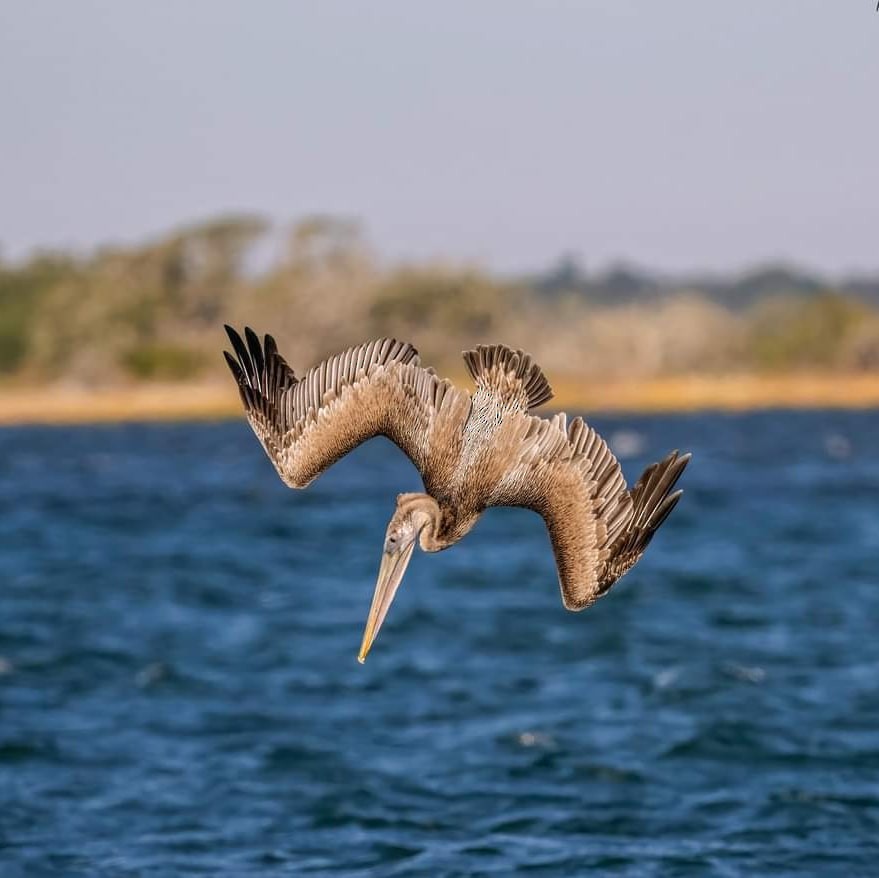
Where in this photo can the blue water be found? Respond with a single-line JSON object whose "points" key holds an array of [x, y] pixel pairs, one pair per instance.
{"points": [[179, 693]]}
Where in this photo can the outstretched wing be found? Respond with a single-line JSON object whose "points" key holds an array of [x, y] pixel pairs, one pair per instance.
{"points": [[509, 379], [597, 527], [652, 502], [375, 389]]}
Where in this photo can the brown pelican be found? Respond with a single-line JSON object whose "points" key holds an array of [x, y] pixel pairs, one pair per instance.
{"points": [[472, 451]]}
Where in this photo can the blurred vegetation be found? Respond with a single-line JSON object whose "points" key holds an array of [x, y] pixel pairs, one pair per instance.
{"points": [[162, 361], [153, 311]]}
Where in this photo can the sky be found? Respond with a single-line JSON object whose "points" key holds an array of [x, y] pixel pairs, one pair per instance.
{"points": [[678, 135]]}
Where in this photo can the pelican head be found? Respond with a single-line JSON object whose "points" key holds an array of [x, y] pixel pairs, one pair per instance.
{"points": [[416, 516]]}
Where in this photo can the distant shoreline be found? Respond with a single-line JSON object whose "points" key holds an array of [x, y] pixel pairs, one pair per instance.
{"points": [[732, 393]]}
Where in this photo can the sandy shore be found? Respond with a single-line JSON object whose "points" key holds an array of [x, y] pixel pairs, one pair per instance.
{"points": [[55, 405], [155, 402], [723, 393]]}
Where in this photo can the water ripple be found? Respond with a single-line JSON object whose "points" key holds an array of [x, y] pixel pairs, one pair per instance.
{"points": [[179, 693]]}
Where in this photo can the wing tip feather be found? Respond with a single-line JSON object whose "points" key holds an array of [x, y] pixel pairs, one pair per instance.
{"points": [[485, 361]]}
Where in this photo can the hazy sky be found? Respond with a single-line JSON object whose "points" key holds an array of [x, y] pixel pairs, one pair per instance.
{"points": [[673, 133]]}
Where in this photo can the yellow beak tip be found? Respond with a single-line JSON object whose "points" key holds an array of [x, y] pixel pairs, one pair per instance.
{"points": [[361, 658]]}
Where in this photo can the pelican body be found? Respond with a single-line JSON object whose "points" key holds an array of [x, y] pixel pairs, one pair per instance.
{"points": [[473, 451]]}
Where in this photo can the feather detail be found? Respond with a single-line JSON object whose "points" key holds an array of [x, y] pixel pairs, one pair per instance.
{"points": [[508, 374]]}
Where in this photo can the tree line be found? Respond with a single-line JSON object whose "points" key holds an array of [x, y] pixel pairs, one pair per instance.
{"points": [[154, 311]]}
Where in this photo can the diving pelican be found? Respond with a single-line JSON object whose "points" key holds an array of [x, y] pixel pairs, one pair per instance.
{"points": [[472, 451]]}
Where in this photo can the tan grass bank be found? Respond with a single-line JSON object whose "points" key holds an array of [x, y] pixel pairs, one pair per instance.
{"points": [[176, 402]]}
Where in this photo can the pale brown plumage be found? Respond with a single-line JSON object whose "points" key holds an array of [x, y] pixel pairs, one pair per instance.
{"points": [[473, 452]]}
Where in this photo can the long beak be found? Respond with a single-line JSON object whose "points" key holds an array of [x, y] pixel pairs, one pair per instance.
{"points": [[390, 575]]}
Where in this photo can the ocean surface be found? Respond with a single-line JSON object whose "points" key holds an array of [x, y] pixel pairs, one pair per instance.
{"points": [[179, 690]]}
